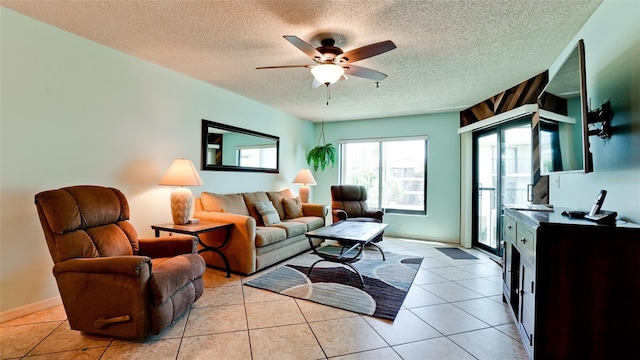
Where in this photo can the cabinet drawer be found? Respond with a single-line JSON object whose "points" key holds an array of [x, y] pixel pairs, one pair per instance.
{"points": [[509, 229], [526, 242]]}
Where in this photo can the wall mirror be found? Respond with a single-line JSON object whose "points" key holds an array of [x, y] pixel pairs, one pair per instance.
{"points": [[229, 148]]}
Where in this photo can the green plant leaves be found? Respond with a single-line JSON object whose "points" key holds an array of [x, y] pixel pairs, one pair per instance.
{"points": [[321, 156]]}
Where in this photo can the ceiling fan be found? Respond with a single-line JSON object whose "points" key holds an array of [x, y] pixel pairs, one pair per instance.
{"points": [[332, 64]]}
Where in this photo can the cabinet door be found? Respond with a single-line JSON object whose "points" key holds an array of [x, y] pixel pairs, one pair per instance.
{"points": [[506, 266], [508, 236], [527, 301]]}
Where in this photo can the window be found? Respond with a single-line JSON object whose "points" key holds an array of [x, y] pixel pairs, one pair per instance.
{"points": [[257, 156], [393, 170]]}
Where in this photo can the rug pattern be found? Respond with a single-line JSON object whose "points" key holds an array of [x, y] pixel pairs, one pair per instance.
{"points": [[386, 282]]}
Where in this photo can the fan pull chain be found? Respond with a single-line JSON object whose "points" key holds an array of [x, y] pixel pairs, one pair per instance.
{"points": [[328, 95]]}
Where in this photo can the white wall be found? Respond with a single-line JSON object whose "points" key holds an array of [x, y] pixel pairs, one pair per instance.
{"points": [[612, 55], [442, 222], [76, 112]]}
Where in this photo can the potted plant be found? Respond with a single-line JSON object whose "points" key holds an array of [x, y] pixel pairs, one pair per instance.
{"points": [[322, 155]]}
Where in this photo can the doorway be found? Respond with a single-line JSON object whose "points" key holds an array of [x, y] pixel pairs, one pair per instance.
{"points": [[501, 175]]}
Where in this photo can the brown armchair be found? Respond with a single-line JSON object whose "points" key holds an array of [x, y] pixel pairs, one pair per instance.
{"points": [[112, 283], [349, 202]]}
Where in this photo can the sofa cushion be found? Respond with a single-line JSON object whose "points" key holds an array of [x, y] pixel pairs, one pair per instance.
{"points": [[269, 235], [276, 198], [292, 208], [311, 222], [267, 212], [292, 228], [229, 203], [251, 199]]}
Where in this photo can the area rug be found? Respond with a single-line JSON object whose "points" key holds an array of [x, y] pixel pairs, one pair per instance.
{"points": [[456, 253], [386, 283]]}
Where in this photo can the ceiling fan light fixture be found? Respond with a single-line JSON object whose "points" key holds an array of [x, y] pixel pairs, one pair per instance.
{"points": [[327, 73]]}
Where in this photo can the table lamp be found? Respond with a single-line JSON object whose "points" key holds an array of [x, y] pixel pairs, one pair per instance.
{"points": [[305, 178], [181, 173]]}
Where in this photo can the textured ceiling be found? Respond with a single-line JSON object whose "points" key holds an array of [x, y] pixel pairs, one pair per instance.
{"points": [[450, 54]]}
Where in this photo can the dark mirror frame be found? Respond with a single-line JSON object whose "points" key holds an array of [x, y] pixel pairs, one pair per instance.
{"points": [[206, 124]]}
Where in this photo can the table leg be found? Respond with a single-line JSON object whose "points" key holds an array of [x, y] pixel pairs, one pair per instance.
{"points": [[339, 259], [345, 244], [216, 249], [338, 262], [381, 252]]}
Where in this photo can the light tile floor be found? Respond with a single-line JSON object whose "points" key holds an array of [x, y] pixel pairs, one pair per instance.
{"points": [[454, 310]]}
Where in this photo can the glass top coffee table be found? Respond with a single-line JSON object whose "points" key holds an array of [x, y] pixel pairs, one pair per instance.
{"points": [[353, 235]]}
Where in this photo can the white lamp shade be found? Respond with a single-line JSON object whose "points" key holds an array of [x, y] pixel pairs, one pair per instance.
{"points": [[327, 73], [182, 173], [305, 177]]}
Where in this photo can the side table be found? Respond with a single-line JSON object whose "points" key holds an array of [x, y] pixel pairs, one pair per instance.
{"points": [[197, 229]]}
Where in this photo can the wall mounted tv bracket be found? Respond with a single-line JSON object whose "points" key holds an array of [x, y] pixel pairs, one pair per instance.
{"points": [[602, 115]]}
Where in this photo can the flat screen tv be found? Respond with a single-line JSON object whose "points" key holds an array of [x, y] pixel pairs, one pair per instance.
{"points": [[563, 130]]}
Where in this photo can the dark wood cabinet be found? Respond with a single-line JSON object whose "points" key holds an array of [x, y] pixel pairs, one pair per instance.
{"points": [[573, 285]]}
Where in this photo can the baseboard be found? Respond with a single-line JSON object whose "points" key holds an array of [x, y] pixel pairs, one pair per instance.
{"points": [[30, 309]]}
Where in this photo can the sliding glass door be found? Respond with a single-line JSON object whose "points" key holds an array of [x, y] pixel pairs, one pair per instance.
{"points": [[486, 185], [502, 174]]}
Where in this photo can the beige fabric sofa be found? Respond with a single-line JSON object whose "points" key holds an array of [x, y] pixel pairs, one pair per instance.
{"points": [[259, 240]]}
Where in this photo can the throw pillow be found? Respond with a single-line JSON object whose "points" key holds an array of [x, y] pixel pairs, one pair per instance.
{"points": [[276, 198], [268, 213], [251, 198], [292, 208]]}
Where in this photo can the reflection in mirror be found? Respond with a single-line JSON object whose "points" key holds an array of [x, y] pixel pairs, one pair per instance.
{"points": [[229, 148], [559, 148], [564, 145]]}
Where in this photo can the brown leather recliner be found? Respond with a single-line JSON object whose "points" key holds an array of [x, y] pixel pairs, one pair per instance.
{"points": [[112, 283], [349, 202]]}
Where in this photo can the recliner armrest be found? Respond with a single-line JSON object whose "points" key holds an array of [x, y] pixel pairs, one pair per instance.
{"points": [[339, 214], [116, 265], [168, 246], [173, 274], [374, 213]]}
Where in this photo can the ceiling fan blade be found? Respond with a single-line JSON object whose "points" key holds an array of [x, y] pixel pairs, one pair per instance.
{"points": [[367, 51], [283, 66], [304, 46], [364, 72], [315, 83]]}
